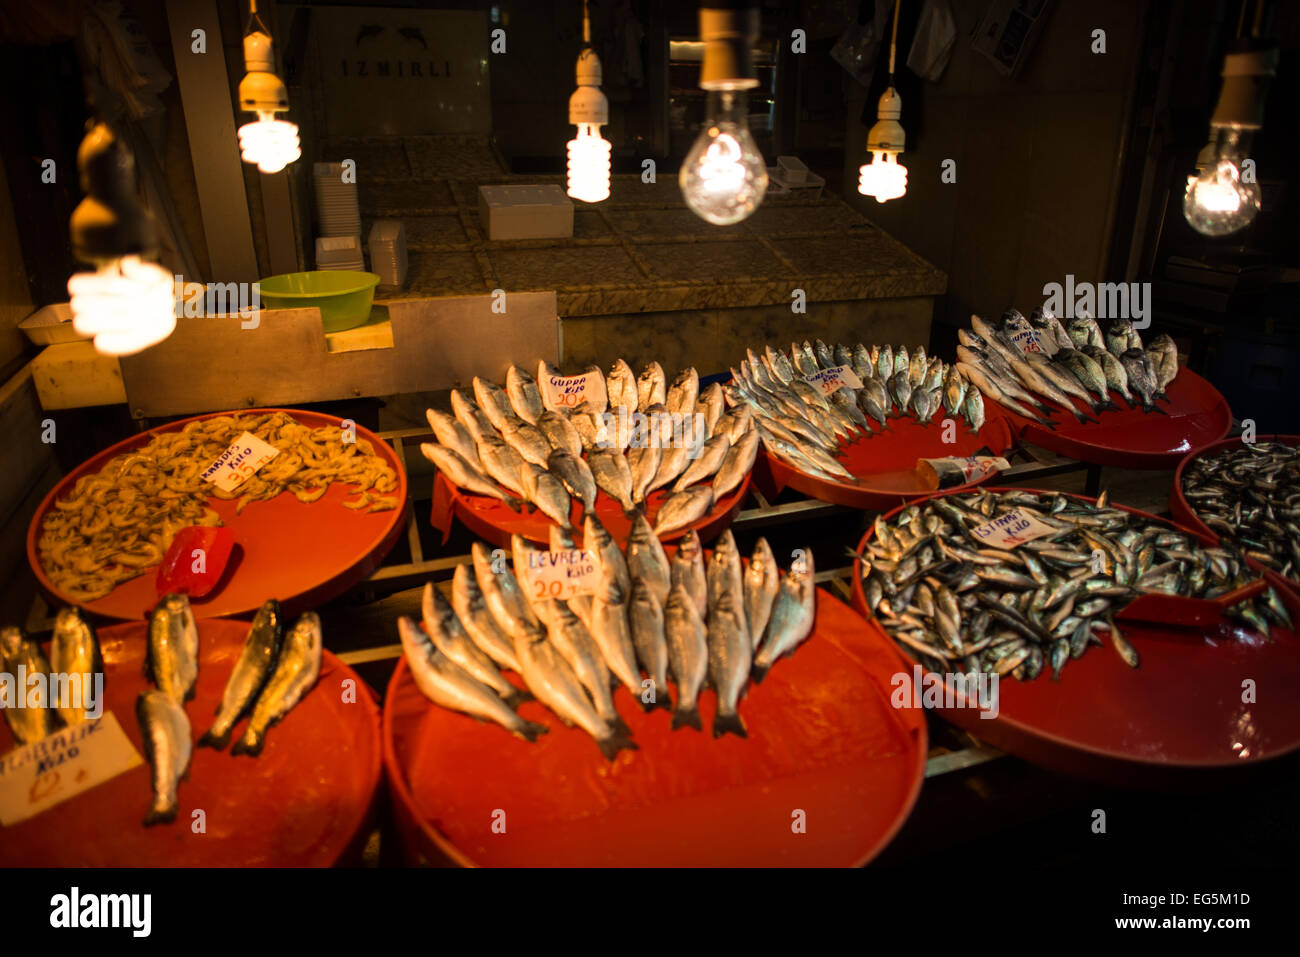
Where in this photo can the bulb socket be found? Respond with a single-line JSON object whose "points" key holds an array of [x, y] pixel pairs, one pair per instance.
{"points": [[1246, 79], [887, 133], [729, 35], [110, 222]]}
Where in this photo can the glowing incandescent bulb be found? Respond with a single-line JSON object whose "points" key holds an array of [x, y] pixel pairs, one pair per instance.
{"points": [[270, 143], [884, 177], [1218, 201], [126, 305], [724, 177], [588, 152]]}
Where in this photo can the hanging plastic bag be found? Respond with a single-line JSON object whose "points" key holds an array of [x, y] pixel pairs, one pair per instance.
{"points": [[936, 35]]}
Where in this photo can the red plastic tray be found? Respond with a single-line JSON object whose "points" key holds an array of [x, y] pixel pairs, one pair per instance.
{"points": [[823, 739], [1177, 719], [1184, 514], [1197, 415], [302, 554], [494, 521], [307, 801], [885, 462]]}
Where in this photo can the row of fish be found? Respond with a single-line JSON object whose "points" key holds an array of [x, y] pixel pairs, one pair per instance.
{"points": [[1250, 497], [804, 427], [957, 604], [1025, 363], [519, 444], [74, 650], [715, 622]]}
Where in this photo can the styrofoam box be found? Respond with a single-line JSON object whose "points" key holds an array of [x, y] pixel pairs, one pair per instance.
{"points": [[525, 212]]}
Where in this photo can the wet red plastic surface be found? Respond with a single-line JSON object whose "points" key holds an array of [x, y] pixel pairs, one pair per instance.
{"points": [[1180, 713], [885, 462], [301, 553], [304, 802], [176, 574], [494, 521], [1197, 415], [823, 739]]}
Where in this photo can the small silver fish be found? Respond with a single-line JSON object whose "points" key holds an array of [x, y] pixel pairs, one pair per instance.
{"points": [[250, 674], [472, 610], [172, 651], [761, 579], [687, 569], [28, 723], [793, 614], [165, 730], [525, 397], [682, 508], [646, 620], [646, 559], [730, 657], [74, 650], [688, 654], [449, 636], [295, 674]]}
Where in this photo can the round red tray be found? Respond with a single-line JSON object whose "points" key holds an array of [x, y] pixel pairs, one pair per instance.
{"points": [[302, 554], [885, 462], [1184, 514], [1131, 438], [306, 801], [1176, 719], [823, 739], [494, 521]]}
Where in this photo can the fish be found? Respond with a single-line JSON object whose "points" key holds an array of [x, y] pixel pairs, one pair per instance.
{"points": [[643, 462], [1164, 360], [730, 659], [676, 456], [35, 720], [725, 572], [805, 363], [608, 624], [682, 508], [987, 385], [502, 463], [1116, 338], [566, 631], [252, 670], [1089, 374], [646, 621], [463, 475], [597, 540], [613, 474], [1050, 329], [1113, 369], [712, 405], [778, 364], [954, 391], [453, 435], [1084, 331], [973, 407], [736, 423], [547, 492], [471, 608], [885, 363], [824, 355], [1141, 378], [448, 685], [647, 561], [529, 441], [621, 387], [651, 386], [503, 593], [688, 654], [574, 473], [449, 636], [761, 578], [707, 464], [687, 569], [560, 433], [736, 465], [554, 684], [295, 674], [172, 648], [524, 395], [494, 402], [794, 612], [165, 731], [471, 417], [74, 650], [683, 393], [900, 390]]}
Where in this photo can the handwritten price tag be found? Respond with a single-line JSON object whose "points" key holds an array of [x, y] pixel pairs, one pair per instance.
{"points": [[239, 463], [1029, 340], [1014, 528], [564, 574], [68, 762], [569, 391], [975, 467], [833, 379]]}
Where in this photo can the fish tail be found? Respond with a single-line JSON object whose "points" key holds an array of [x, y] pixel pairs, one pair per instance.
{"points": [[758, 672], [614, 742], [1083, 418], [251, 744], [687, 718], [663, 702], [531, 730], [631, 513], [728, 723], [518, 696], [160, 815], [215, 739], [1046, 423], [1163, 395], [1108, 403], [515, 503]]}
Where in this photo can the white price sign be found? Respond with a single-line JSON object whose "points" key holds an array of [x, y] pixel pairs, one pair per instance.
{"points": [[239, 463], [1011, 529], [564, 574], [52, 770], [833, 379], [1031, 340], [570, 391]]}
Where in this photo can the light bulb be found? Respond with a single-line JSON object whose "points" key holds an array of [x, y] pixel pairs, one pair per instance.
{"points": [[1217, 201], [126, 305], [884, 177], [589, 164], [270, 143], [724, 177]]}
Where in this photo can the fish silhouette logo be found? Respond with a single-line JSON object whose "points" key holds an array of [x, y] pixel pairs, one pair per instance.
{"points": [[366, 31], [415, 34]]}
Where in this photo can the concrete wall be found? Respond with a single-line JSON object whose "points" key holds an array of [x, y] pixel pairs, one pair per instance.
{"points": [[1037, 159]]}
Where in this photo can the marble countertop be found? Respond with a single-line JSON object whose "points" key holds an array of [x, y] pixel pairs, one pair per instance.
{"points": [[641, 250]]}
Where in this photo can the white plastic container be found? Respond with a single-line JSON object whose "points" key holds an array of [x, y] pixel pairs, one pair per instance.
{"points": [[525, 212]]}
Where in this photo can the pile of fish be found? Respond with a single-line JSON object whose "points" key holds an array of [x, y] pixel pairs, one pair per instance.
{"points": [[803, 426], [715, 622], [520, 444], [1024, 363], [74, 650], [957, 604], [1250, 497]]}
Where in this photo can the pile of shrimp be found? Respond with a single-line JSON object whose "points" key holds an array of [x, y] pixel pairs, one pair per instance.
{"points": [[120, 520]]}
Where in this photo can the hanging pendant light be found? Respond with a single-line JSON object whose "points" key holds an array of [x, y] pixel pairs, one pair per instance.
{"points": [[589, 152], [884, 178], [270, 143]]}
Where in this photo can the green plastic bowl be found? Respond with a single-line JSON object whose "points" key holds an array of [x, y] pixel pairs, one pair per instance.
{"points": [[343, 296]]}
